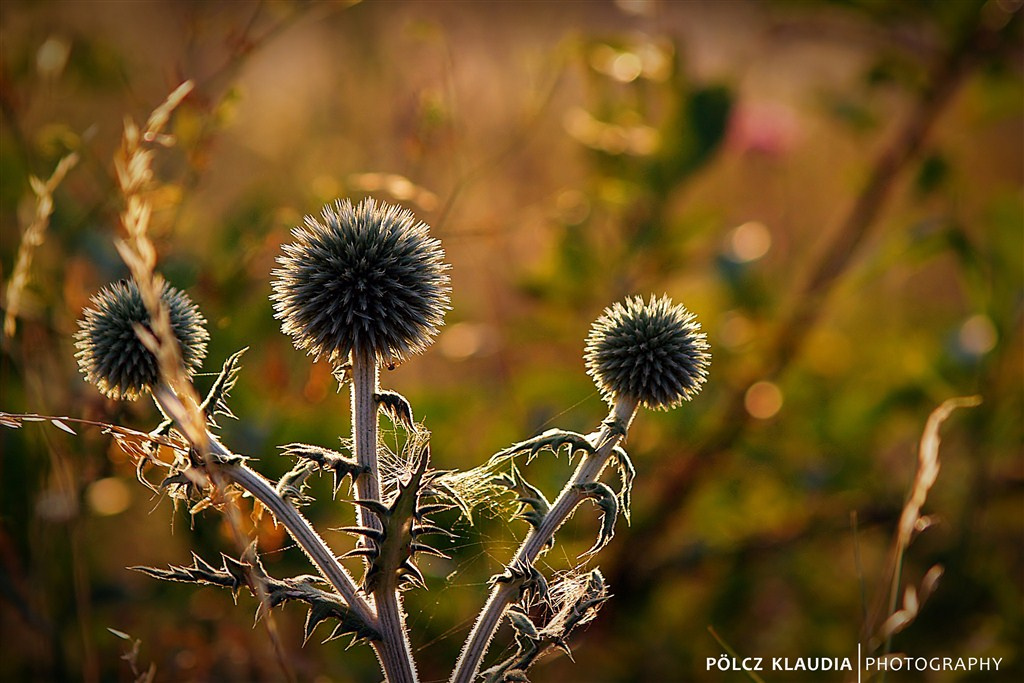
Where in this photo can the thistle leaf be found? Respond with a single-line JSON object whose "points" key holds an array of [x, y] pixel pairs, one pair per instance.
{"points": [[215, 402], [429, 529], [627, 473], [292, 486], [552, 439], [326, 459], [533, 505], [397, 407], [521, 623], [235, 574], [606, 501], [367, 552], [579, 598], [403, 521], [375, 535], [531, 584], [428, 550]]}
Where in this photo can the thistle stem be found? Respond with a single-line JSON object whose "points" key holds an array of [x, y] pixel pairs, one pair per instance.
{"points": [[502, 594], [297, 526], [393, 650], [364, 436], [304, 535]]}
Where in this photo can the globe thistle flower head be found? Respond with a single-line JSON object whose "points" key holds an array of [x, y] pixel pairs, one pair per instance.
{"points": [[653, 352], [112, 356], [366, 279]]}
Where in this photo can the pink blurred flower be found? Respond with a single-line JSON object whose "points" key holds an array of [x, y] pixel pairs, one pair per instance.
{"points": [[767, 128]]}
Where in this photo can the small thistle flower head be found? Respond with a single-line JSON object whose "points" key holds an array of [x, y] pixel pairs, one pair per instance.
{"points": [[112, 356], [651, 351], [366, 279]]}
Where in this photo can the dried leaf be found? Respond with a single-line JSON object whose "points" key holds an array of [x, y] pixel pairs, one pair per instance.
{"points": [[60, 425]]}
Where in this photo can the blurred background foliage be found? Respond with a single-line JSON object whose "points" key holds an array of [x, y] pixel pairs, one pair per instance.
{"points": [[835, 188]]}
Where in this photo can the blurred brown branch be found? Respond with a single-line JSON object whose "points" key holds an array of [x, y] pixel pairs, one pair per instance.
{"points": [[678, 476]]}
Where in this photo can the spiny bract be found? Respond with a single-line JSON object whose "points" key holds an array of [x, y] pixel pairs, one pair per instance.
{"points": [[112, 356], [366, 279], [653, 352]]}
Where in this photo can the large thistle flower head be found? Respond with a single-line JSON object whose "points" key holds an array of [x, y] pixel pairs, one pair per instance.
{"points": [[110, 353], [364, 279], [652, 352]]}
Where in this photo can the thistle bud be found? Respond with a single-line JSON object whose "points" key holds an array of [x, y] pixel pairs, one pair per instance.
{"points": [[653, 352], [112, 356], [366, 279]]}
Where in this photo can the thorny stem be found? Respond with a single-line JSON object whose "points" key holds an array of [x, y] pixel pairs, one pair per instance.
{"points": [[502, 594], [364, 436], [303, 533], [297, 526], [393, 650]]}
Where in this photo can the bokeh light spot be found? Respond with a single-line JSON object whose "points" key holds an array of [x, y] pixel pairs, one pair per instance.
{"points": [[978, 335], [763, 400], [735, 329], [464, 340], [626, 67], [108, 497], [185, 659], [749, 242], [52, 57]]}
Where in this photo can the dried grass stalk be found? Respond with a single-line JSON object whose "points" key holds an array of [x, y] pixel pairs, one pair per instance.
{"points": [[133, 167], [32, 238], [911, 521]]}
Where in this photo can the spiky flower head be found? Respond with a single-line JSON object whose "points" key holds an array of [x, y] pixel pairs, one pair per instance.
{"points": [[651, 351], [112, 356], [366, 279]]}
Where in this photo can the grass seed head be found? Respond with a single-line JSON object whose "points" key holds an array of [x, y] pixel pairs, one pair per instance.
{"points": [[366, 279], [651, 351], [112, 356]]}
